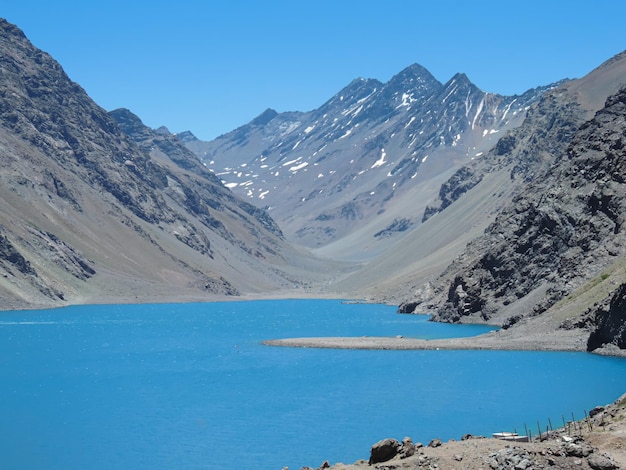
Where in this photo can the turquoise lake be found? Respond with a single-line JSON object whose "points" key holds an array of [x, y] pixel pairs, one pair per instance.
{"points": [[190, 386]]}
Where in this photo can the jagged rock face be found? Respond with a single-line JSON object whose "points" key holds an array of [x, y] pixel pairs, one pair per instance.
{"points": [[327, 172], [610, 321], [199, 195], [42, 106], [11, 258], [561, 230], [526, 151], [81, 199], [464, 179]]}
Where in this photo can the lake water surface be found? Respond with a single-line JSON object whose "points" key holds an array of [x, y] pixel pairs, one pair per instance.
{"points": [[189, 386]]}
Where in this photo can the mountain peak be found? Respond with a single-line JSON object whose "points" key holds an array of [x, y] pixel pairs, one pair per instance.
{"points": [[417, 69], [339, 166], [186, 136], [358, 87], [460, 77], [412, 73], [11, 29], [460, 81], [265, 117], [126, 116]]}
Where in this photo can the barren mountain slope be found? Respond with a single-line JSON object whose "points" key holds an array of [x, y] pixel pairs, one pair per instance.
{"points": [[561, 237], [471, 198], [87, 215], [350, 165]]}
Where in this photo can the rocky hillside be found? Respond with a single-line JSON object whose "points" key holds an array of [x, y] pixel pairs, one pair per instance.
{"points": [[351, 163], [547, 130], [525, 152], [87, 212], [563, 230], [206, 191]]}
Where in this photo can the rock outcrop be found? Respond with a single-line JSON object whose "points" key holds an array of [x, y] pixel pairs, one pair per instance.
{"points": [[610, 322], [390, 448], [560, 231], [384, 450]]}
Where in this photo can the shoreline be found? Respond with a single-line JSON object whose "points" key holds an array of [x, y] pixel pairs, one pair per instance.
{"points": [[12, 305], [404, 344], [527, 338], [593, 442], [493, 341]]}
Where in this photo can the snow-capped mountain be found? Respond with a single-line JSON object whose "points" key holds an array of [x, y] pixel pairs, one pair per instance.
{"points": [[325, 173]]}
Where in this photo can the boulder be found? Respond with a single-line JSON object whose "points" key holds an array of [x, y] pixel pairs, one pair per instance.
{"points": [[407, 448], [601, 462], [435, 443], [384, 450], [408, 307], [596, 411]]}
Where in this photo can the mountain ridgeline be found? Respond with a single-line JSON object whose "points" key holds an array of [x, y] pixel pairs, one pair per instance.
{"points": [[327, 173], [558, 246], [477, 207], [469, 205], [94, 209]]}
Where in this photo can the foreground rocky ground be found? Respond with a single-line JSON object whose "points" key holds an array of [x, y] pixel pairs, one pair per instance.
{"points": [[597, 442]]}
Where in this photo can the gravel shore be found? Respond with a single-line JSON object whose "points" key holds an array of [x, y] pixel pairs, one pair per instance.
{"points": [[598, 442], [495, 340]]}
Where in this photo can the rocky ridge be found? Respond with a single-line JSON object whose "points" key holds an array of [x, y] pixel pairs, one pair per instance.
{"points": [[85, 208], [562, 228], [325, 173], [206, 191]]}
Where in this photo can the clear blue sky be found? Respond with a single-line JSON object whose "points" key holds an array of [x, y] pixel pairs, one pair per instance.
{"points": [[211, 66]]}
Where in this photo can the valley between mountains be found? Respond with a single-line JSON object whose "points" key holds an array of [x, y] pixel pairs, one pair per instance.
{"points": [[437, 197]]}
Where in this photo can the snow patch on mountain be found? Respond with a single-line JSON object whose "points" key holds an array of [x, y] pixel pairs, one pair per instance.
{"points": [[295, 168], [381, 161], [367, 145]]}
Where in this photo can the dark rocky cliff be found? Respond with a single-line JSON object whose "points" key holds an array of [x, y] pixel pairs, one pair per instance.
{"points": [[560, 231], [610, 321]]}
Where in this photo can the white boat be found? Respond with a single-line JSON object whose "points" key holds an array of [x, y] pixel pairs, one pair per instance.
{"points": [[510, 436]]}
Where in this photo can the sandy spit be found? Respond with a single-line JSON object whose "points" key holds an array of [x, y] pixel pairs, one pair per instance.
{"points": [[490, 341]]}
